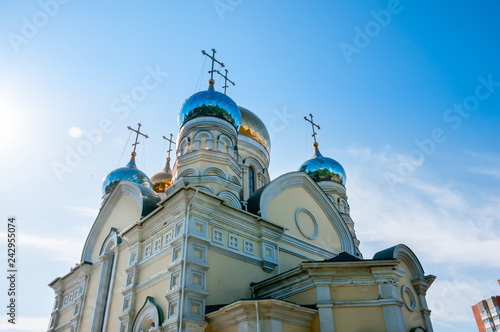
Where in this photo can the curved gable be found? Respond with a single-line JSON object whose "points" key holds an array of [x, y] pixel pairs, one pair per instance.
{"points": [[121, 209], [295, 201], [405, 254]]}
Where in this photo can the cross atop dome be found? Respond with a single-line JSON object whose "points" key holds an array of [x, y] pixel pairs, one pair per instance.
{"points": [[169, 145], [313, 125], [138, 132], [226, 79], [211, 72]]}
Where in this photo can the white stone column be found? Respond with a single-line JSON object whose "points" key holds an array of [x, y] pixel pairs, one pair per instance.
{"points": [[388, 281], [421, 286], [325, 306]]}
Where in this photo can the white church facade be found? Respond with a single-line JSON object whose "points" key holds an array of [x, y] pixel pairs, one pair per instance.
{"points": [[213, 244]]}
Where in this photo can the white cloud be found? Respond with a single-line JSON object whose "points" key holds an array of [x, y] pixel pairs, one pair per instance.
{"points": [[82, 211], [437, 221], [65, 249], [494, 172], [450, 300], [454, 232], [26, 324]]}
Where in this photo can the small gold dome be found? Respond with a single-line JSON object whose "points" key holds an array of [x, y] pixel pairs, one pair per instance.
{"points": [[253, 127], [163, 179]]}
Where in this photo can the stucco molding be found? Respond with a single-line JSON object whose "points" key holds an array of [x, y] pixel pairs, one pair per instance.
{"points": [[315, 223], [230, 198], [213, 169]]}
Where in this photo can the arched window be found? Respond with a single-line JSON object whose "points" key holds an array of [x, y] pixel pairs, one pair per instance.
{"points": [[149, 317], [251, 180], [107, 257]]}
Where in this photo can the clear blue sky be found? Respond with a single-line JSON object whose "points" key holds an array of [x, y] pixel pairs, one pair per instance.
{"points": [[374, 94]]}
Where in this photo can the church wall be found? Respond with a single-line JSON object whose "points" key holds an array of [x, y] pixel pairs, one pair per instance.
{"points": [[315, 324], [90, 296], [412, 318], [288, 261], [233, 328], [221, 282], [286, 327], [354, 293], [282, 209], [66, 316], [154, 268], [348, 319], [296, 255], [306, 297], [125, 213]]}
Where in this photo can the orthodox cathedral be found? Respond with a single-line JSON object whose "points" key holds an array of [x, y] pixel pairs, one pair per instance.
{"points": [[213, 244]]}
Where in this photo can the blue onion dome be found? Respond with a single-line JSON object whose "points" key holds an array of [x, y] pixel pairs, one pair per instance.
{"points": [[321, 168], [129, 172], [253, 127], [163, 179], [210, 103]]}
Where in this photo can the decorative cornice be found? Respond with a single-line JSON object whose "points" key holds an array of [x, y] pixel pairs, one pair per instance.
{"points": [[306, 246], [242, 311], [235, 254]]}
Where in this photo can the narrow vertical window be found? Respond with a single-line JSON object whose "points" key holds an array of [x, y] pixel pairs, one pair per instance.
{"points": [[251, 180]]}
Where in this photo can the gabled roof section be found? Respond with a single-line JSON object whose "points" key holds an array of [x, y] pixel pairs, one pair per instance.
{"points": [[343, 257]]}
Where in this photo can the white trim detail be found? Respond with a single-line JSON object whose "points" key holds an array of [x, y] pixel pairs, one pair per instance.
{"points": [[248, 247], [147, 251], [233, 241], [316, 228], [218, 236], [413, 300]]}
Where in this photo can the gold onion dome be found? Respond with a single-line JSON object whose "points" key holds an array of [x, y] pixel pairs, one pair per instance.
{"points": [[163, 179], [210, 103], [129, 172], [321, 168], [253, 127]]}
